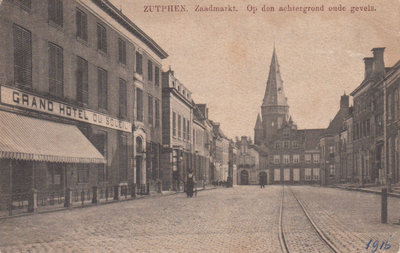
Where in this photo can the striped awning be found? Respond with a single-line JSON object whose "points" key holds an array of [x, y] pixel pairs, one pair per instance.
{"points": [[26, 138]]}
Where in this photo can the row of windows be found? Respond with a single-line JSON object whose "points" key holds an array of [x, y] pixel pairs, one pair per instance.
{"points": [[286, 159], [23, 76], [286, 144], [183, 127], [309, 174], [362, 129], [55, 16]]}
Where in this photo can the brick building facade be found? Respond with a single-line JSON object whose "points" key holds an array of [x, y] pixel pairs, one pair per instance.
{"points": [[80, 65]]}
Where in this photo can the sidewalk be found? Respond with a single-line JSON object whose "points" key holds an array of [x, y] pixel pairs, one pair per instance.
{"points": [[77, 205], [369, 189]]}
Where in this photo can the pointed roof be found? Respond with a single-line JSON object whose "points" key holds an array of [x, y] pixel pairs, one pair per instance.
{"points": [[258, 123], [274, 93]]}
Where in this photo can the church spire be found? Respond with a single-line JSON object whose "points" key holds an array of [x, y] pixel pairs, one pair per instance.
{"points": [[274, 93]]}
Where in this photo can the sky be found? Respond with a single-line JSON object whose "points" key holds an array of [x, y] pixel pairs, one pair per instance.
{"points": [[224, 58]]}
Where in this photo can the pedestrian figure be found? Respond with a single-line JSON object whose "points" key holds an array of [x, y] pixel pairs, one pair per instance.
{"points": [[262, 183], [190, 185]]}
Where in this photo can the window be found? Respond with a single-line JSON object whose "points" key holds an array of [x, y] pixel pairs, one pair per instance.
{"points": [[157, 112], [296, 158], [277, 159], [101, 38], [122, 98], [277, 145], [56, 12], [100, 142], [22, 56], [295, 144], [123, 157], [188, 130], [82, 94], [316, 158], [179, 126], [81, 25], [390, 106], [307, 158], [121, 51], [316, 174], [277, 175], [286, 133], [25, 4], [286, 159], [54, 174], [184, 128], [174, 124], [139, 104], [102, 88], [157, 75], [331, 170], [83, 173], [308, 174], [101, 175], [56, 70], [150, 71], [286, 144], [150, 107], [139, 63]]}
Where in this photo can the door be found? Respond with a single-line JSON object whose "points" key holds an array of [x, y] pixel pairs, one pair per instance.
{"points": [[244, 177]]}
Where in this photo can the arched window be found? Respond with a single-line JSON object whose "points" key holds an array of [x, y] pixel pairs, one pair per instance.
{"points": [[139, 145]]}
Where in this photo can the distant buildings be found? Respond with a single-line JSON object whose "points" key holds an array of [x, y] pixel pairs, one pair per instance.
{"points": [[287, 154]]}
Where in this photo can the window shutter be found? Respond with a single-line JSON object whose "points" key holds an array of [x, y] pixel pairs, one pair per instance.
{"points": [[84, 27], [79, 24], [52, 69], [22, 56], [59, 19], [99, 37]]}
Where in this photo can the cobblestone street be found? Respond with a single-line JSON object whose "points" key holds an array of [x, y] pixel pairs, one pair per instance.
{"points": [[242, 219]]}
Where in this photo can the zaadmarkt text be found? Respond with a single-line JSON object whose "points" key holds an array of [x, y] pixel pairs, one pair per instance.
{"points": [[184, 8]]}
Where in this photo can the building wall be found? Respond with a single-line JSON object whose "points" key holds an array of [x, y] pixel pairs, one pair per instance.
{"points": [[44, 32]]}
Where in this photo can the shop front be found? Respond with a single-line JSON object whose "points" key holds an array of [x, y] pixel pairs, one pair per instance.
{"points": [[39, 157]]}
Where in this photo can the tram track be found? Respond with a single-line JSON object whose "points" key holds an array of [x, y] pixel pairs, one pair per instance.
{"points": [[294, 241]]}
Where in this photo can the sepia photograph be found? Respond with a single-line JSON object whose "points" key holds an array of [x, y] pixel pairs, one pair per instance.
{"points": [[200, 126]]}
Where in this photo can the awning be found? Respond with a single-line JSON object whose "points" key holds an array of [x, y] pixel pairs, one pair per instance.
{"points": [[26, 138]]}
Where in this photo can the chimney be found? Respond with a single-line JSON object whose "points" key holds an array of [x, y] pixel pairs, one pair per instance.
{"points": [[379, 64], [344, 101], [368, 66]]}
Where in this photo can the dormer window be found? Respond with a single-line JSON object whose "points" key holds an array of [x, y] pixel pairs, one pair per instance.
{"points": [[184, 93]]}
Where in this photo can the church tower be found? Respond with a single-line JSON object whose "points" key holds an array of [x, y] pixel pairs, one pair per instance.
{"points": [[274, 109]]}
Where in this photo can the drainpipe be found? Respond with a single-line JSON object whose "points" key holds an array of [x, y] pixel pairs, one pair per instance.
{"points": [[385, 147]]}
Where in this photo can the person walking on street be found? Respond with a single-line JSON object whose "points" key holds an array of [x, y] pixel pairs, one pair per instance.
{"points": [[190, 185]]}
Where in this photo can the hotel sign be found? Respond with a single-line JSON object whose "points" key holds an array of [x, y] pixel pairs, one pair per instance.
{"points": [[23, 99]]}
